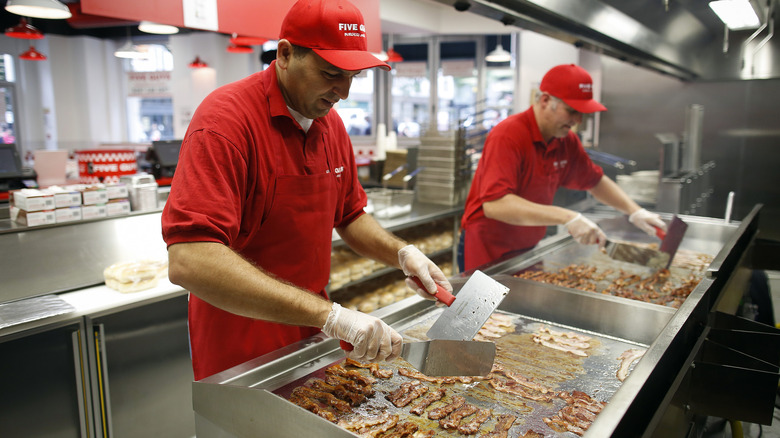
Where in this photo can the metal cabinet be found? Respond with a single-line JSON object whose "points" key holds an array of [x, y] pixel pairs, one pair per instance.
{"points": [[44, 389], [142, 375]]}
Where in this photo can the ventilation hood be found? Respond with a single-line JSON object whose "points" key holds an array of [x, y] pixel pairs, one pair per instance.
{"points": [[682, 38]]}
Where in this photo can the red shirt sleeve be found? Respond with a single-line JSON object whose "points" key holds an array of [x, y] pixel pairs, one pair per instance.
{"points": [[583, 173]]}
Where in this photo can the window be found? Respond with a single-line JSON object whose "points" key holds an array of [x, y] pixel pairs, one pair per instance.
{"points": [[357, 111], [8, 129], [150, 105]]}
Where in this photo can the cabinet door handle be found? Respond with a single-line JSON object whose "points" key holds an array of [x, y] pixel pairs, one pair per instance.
{"points": [[102, 380], [80, 366]]}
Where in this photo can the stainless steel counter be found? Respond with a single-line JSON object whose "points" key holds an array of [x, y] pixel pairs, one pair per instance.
{"points": [[663, 396]]}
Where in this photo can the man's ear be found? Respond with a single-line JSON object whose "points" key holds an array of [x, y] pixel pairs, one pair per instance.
{"points": [[284, 51]]}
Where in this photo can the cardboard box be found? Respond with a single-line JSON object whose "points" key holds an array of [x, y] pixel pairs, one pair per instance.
{"points": [[94, 195], [117, 191], [67, 214], [118, 207], [32, 200], [64, 197], [32, 218], [93, 211]]}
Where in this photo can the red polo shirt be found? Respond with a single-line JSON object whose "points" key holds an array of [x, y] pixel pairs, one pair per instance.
{"points": [[516, 160]]}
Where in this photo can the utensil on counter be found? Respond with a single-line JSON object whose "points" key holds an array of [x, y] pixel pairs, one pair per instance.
{"points": [[451, 351]]}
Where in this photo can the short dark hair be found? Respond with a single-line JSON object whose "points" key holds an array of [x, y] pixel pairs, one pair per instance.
{"points": [[300, 51]]}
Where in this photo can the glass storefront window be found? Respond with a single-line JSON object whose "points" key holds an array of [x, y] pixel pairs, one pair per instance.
{"points": [[150, 114], [357, 111]]}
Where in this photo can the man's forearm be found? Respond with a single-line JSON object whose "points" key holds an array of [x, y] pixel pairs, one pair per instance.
{"points": [[221, 277], [609, 193], [514, 210], [366, 237]]}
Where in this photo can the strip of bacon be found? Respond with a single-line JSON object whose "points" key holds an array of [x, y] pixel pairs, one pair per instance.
{"points": [[310, 405], [360, 422], [426, 401], [472, 427], [439, 413], [403, 430], [574, 351], [512, 387], [521, 379], [332, 379], [406, 372], [626, 359], [453, 420], [415, 393], [350, 374], [501, 429], [571, 335], [380, 429], [330, 399], [562, 425], [402, 390], [353, 398], [382, 373], [424, 434], [562, 340]]}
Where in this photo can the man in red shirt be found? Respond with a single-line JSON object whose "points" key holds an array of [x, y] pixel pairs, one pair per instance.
{"points": [[265, 173], [526, 158]]}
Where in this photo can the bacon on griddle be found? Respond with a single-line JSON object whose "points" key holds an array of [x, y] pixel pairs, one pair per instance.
{"points": [[626, 359], [579, 398], [402, 430], [424, 434], [426, 401], [473, 426], [382, 373], [375, 431], [336, 380], [453, 420], [312, 406], [350, 374], [406, 372], [519, 378], [441, 412], [353, 398], [360, 422], [402, 391], [501, 429], [325, 397], [512, 387], [414, 393]]}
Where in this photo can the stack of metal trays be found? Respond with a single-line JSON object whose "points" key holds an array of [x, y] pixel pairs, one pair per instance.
{"points": [[444, 178]]}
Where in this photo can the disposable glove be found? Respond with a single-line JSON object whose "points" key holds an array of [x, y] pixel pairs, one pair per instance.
{"points": [[371, 339], [646, 221], [416, 264], [585, 231]]}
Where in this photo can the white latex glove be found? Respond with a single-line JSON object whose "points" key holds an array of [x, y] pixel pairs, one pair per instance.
{"points": [[371, 339], [646, 221], [585, 231], [416, 264]]}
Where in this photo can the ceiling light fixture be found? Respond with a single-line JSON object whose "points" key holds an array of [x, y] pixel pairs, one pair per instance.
{"points": [[736, 14], [235, 48], [198, 63], [38, 8], [239, 40], [24, 31], [128, 50], [157, 28], [32, 55], [498, 54]]}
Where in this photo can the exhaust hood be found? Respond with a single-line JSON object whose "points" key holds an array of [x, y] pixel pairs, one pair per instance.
{"points": [[682, 38]]}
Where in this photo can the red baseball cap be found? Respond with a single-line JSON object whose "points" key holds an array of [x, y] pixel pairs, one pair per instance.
{"points": [[334, 29], [573, 85]]}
